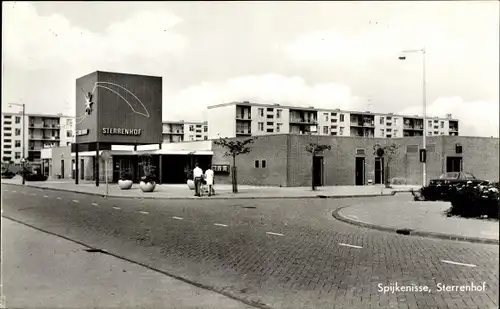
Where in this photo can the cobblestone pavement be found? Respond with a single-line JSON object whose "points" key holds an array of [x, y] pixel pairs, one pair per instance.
{"points": [[275, 253]]}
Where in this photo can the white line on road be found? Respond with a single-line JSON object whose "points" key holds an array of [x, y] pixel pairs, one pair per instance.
{"points": [[59, 198], [75, 201], [33, 194], [457, 263], [352, 246], [177, 218], [45, 196], [144, 212], [220, 224], [14, 191], [114, 207], [277, 234], [95, 204]]}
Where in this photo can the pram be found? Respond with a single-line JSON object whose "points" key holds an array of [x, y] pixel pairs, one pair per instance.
{"points": [[204, 187]]}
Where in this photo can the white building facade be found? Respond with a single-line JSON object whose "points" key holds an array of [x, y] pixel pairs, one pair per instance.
{"points": [[38, 131], [254, 119], [180, 131]]}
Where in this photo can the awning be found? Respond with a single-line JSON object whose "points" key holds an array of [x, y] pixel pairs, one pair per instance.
{"points": [[152, 152]]}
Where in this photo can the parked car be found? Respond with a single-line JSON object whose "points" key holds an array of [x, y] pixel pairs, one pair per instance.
{"points": [[443, 187], [8, 175], [35, 177]]}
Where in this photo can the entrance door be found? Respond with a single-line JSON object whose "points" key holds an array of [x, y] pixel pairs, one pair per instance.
{"points": [[379, 170], [453, 164], [360, 171], [82, 169], [62, 169], [318, 171]]}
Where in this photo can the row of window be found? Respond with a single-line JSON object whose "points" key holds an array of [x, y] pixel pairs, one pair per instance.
{"points": [[17, 143], [270, 116], [198, 128], [17, 120], [17, 155], [260, 164]]}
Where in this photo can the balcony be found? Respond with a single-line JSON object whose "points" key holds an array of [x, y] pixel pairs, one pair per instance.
{"points": [[453, 129], [176, 132], [35, 125], [369, 123], [410, 127], [304, 120], [243, 117], [44, 138], [243, 131], [51, 126]]}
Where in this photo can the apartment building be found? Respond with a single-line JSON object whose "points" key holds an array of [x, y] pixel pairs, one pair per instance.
{"points": [[180, 131], [40, 131], [253, 119]]}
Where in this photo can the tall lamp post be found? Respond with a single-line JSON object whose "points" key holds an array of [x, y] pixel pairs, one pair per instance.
{"points": [[423, 157], [23, 159]]}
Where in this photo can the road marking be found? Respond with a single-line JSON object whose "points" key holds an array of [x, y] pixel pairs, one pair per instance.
{"points": [[45, 196], [177, 218], [59, 198], [95, 204], [14, 191], [114, 207], [277, 234], [75, 201], [352, 246], [33, 194], [220, 224], [457, 263], [144, 212]]}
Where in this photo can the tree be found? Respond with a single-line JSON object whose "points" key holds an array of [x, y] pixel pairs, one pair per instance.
{"points": [[389, 152], [234, 149], [315, 149]]}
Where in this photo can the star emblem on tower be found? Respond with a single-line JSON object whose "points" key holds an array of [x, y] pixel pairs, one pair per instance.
{"points": [[88, 103]]}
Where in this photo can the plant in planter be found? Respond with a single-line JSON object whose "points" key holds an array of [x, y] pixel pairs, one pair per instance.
{"points": [[147, 183], [125, 181]]}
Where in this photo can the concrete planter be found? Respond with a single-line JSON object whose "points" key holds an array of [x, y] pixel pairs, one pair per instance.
{"points": [[147, 186], [190, 184], [125, 184]]}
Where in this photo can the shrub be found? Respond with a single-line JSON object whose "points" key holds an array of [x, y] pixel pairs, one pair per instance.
{"points": [[125, 174], [149, 174], [476, 201]]}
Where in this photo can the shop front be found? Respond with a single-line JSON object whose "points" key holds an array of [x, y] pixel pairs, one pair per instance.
{"points": [[115, 109]]}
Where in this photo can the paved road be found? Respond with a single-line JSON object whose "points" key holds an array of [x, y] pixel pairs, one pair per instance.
{"points": [[280, 254]]}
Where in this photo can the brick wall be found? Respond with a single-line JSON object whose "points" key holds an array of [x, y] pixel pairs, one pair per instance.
{"points": [[271, 148], [480, 157]]}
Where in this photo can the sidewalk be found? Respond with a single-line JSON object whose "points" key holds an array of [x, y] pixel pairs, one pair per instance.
{"points": [[422, 219], [181, 191], [44, 271]]}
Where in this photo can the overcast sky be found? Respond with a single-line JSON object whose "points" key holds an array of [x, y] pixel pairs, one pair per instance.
{"points": [[323, 54]]}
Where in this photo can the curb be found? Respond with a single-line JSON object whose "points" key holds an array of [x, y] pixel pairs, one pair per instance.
{"points": [[409, 232], [212, 197]]}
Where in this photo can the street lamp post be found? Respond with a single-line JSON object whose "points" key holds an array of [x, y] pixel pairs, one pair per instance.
{"points": [[424, 106], [24, 137]]}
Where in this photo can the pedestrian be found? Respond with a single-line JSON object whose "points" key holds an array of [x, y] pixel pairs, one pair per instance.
{"points": [[209, 178], [197, 175]]}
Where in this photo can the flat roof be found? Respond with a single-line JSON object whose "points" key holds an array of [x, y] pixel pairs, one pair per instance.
{"points": [[122, 73], [184, 122], [38, 115], [312, 108]]}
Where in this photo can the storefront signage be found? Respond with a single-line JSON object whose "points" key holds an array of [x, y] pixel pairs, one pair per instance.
{"points": [[121, 131], [82, 132], [221, 168]]}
